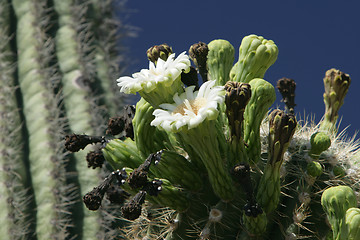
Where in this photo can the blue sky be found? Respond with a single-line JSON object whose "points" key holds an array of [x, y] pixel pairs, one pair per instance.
{"points": [[312, 37]]}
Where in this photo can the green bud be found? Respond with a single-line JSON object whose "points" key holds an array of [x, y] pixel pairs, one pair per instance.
{"points": [[162, 51], [282, 128], [236, 98], [335, 202], [339, 171], [220, 60], [353, 223], [336, 84], [320, 141], [314, 169], [256, 55]]}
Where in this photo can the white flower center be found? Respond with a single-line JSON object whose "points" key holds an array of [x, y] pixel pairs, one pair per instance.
{"points": [[192, 105]]}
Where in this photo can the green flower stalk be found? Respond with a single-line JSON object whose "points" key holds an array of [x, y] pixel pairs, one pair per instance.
{"points": [[336, 84], [335, 202], [282, 127], [220, 59], [192, 117], [263, 96], [256, 55]]}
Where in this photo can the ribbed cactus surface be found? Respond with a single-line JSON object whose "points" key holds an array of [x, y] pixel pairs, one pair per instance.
{"points": [[57, 61]]}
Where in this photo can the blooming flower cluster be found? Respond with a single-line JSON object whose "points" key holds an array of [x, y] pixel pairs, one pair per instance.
{"points": [[164, 72]]}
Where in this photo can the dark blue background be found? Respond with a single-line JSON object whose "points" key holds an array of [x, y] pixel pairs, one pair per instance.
{"points": [[312, 37]]}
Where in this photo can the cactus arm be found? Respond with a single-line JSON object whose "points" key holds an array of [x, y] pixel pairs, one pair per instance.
{"points": [[73, 50], [107, 52], [43, 121]]}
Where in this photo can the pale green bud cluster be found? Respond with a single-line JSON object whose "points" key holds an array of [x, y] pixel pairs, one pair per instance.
{"points": [[256, 55], [336, 201]]}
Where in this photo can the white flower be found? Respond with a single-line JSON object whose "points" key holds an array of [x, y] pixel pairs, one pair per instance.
{"points": [[190, 108], [163, 72]]}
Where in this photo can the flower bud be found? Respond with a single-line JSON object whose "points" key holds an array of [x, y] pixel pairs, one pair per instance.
{"points": [[282, 128], [162, 51], [286, 87], [236, 98], [320, 142], [336, 84], [198, 53]]}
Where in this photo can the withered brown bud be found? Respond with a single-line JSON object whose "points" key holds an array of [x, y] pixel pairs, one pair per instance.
{"points": [[132, 209], [95, 159], [286, 87], [76, 142]]}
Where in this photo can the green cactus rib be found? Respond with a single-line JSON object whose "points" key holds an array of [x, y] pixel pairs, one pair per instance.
{"points": [[75, 56], [43, 120], [15, 194]]}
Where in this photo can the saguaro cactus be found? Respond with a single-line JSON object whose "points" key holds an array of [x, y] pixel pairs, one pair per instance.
{"points": [[209, 162], [55, 69]]}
